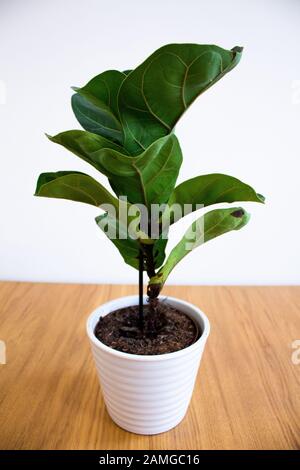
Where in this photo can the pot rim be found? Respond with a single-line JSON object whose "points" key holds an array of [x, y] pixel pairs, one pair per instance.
{"points": [[140, 357]]}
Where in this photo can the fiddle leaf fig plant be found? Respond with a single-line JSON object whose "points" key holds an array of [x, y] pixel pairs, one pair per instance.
{"points": [[128, 120]]}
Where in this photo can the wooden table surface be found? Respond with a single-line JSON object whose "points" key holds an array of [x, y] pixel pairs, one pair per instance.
{"points": [[247, 394]]}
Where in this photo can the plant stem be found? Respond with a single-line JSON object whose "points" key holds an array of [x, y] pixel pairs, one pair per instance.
{"points": [[149, 260], [141, 306]]}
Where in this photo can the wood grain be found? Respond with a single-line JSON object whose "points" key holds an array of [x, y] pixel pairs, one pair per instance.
{"points": [[247, 394]]}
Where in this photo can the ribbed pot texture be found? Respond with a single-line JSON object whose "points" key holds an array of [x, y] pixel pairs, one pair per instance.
{"points": [[147, 394]]}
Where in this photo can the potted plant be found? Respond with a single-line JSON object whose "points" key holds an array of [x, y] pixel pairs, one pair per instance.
{"points": [[147, 353]]}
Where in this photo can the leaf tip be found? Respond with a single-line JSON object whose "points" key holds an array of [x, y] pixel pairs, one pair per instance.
{"points": [[261, 198], [238, 49]]}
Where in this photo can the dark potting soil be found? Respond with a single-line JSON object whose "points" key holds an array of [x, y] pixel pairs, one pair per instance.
{"points": [[165, 330]]}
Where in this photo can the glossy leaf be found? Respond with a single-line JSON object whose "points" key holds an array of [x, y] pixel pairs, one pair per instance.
{"points": [[154, 96], [74, 186], [96, 119], [206, 190], [103, 90], [79, 187], [148, 178], [85, 145], [129, 247], [210, 225], [95, 105]]}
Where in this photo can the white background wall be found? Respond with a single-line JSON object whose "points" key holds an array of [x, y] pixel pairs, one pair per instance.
{"points": [[247, 126]]}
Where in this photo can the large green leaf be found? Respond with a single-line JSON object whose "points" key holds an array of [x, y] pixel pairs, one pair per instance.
{"points": [[85, 145], [206, 190], [95, 105], [103, 90], [148, 178], [154, 95], [80, 187], [128, 246], [210, 225], [97, 120], [74, 186]]}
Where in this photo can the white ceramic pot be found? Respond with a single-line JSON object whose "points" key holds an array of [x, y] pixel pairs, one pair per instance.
{"points": [[147, 394]]}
